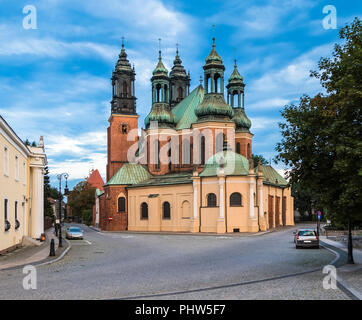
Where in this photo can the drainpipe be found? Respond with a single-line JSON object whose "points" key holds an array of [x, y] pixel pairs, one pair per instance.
{"points": [[225, 204], [200, 204], [257, 199]]}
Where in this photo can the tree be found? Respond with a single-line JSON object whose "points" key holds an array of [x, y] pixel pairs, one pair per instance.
{"points": [[303, 199], [257, 158], [322, 136], [81, 198], [27, 143], [49, 192]]}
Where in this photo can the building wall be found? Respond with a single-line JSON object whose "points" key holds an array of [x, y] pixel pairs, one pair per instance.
{"points": [[108, 206], [13, 187], [180, 198]]}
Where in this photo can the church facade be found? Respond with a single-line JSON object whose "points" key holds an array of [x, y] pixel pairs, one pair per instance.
{"points": [[191, 169]]}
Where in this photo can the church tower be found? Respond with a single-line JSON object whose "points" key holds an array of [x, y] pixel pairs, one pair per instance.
{"points": [[235, 91], [123, 114], [179, 81]]}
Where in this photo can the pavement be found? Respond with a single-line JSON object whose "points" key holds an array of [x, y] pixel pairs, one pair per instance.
{"points": [[33, 255], [166, 266], [349, 275]]}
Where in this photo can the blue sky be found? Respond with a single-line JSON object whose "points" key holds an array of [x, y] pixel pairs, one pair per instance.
{"points": [[55, 80]]}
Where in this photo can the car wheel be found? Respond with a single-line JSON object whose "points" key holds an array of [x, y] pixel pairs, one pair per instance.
{"points": [[297, 247]]}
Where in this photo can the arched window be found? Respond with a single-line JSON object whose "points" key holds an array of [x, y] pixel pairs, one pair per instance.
{"points": [[158, 91], [235, 199], [220, 138], [121, 204], [217, 82], [124, 89], [166, 210], [144, 211], [169, 153], [157, 154], [211, 200], [185, 151], [238, 147], [165, 96], [202, 150], [180, 93]]}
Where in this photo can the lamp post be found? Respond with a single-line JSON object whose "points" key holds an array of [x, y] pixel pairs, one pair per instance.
{"points": [[66, 191]]}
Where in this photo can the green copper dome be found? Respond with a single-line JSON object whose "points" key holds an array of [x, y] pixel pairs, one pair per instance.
{"points": [[161, 113], [235, 76], [232, 163], [242, 122], [213, 57], [160, 68], [178, 71], [213, 106]]}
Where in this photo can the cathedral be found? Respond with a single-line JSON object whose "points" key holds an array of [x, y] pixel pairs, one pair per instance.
{"points": [[190, 167]]}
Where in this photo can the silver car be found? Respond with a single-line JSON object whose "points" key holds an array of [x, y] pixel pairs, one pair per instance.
{"points": [[74, 233], [306, 238]]}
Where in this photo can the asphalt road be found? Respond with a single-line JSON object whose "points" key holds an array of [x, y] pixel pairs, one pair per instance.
{"points": [[149, 266]]}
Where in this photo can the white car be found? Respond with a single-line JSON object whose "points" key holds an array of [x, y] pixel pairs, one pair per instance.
{"points": [[306, 238], [74, 233]]}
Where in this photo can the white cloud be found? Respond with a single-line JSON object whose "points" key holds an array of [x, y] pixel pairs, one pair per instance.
{"points": [[79, 168]]}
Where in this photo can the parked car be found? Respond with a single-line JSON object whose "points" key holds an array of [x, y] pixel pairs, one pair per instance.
{"points": [[74, 233], [306, 238]]}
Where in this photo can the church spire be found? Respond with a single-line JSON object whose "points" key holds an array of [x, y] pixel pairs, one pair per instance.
{"points": [[123, 85], [180, 81]]}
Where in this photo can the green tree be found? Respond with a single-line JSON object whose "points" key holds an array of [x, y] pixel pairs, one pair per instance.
{"points": [[321, 137], [81, 198], [257, 158], [49, 192]]}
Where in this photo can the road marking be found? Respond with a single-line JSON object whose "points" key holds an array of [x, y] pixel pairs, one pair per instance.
{"points": [[88, 241]]}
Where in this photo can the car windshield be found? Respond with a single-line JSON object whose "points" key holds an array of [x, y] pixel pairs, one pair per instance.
{"points": [[306, 233], [74, 230]]}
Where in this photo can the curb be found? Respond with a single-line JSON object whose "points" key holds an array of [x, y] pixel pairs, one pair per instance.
{"points": [[40, 262], [343, 286]]}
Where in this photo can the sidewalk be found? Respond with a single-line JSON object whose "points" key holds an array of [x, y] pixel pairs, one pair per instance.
{"points": [[30, 254], [350, 275]]}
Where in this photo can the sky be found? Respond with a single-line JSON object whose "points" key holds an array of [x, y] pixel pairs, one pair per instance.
{"points": [[55, 79]]}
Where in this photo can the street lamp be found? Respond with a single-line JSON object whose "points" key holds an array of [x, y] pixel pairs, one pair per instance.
{"points": [[66, 191]]}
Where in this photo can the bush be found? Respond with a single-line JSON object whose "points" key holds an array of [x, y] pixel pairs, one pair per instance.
{"points": [[87, 216]]}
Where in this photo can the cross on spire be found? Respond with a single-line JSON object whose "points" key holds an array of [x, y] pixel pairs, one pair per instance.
{"points": [[159, 48], [122, 42]]}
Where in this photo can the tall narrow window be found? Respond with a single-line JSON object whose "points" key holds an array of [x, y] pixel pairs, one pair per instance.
{"points": [[7, 223], [180, 93], [157, 154], [16, 168], [249, 151], [166, 209], [24, 172], [121, 204], [144, 211], [238, 147], [17, 224], [220, 142], [211, 200], [202, 150], [169, 155], [124, 88], [185, 151], [6, 161]]}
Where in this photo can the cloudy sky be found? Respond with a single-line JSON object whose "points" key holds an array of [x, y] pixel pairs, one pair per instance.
{"points": [[55, 80]]}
